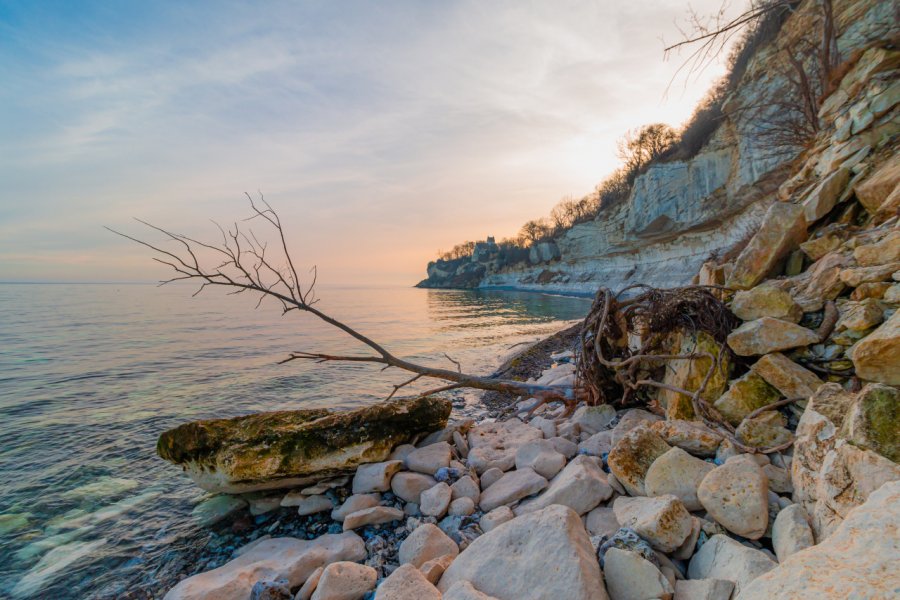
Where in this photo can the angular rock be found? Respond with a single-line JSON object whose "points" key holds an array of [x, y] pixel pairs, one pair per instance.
{"points": [[765, 301], [309, 586], [429, 459], [692, 436], [345, 581], [679, 474], [290, 448], [409, 486], [860, 316], [745, 395], [779, 479], [375, 477], [592, 419], [547, 427], [513, 486], [703, 589], [540, 456], [581, 486], [434, 569], [630, 577], [786, 376], [782, 230], [564, 446], [601, 521], [495, 444], [822, 198], [859, 560], [689, 374], [791, 532], [465, 487], [873, 422], [314, 504], [463, 590], [598, 444], [425, 543], [354, 503], [821, 282], [874, 192], [855, 277], [633, 455], [724, 558], [877, 356], [498, 516], [664, 521], [271, 558], [511, 560], [407, 583], [434, 501], [765, 430], [884, 251], [871, 290], [736, 496], [766, 335], [372, 516]]}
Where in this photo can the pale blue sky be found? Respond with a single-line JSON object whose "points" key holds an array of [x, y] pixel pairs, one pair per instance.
{"points": [[382, 131]]}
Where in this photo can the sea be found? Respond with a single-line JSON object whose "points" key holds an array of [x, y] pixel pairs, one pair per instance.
{"points": [[91, 374]]}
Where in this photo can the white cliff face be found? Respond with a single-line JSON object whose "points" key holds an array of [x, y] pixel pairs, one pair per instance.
{"points": [[682, 213]]}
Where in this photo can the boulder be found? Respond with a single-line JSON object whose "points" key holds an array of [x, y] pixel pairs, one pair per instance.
{"points": [[722, 557], [511, 561], [877, 356], [271, 558], [820, 282], [884, 251], [786, 376], [689, 374], [692, 436], [860, 316], [745, 395], [679, 474], [874, 192], [512, 487], [664, 521], [736, 496], [429, 459], [407, 583], [782, 230], [873, 421], [822, 198], [632, 457], [425, 543], [703, 589], [463, 590], [859, 560], [766, 335], [581, 486], [540, 456], [791, 532], [345, 580], [409, 486], [631, 577], [372, 516], [290, 448], [434, 501], [495, 444], [766, 301]]}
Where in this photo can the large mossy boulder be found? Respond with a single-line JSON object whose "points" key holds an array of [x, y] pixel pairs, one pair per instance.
{"points": [[290, 448]]}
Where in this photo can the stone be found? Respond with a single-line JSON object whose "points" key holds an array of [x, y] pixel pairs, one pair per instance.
{"points": [[463, 590], [736, 496], [490, 477], [375, 477], [601, 521], [692, 436], [822, 198], [598, 444], [860, 316], [435, 500], [511, 561], [779, 479], [679, 474], [766, 335], [409, 486], [407, 583], [593, 419], [462, 445], [630, 577], [632, 457], [263, 504], [873, 422], [401, 452], [791, 532], [786, 376], [540, 456], [465, 487], [345, 581], [859, 560], [496, 517], [871, 290], [686, 550], [746, 394], [884, 251], [821, 282], [271, 558], [855, 277], [495, 444], [722, 557], [689, 374], [461, 507], [877, 356], [425, 543], [565, 447], [663, 521], [314, 504], [309, 586], [429, 458], [277, 589], [703, 589], [828, 241], [324, 485], [581, 486], [354, 503], [513, 486], [782, 230], [765, 430], [547, 427], [874, 192], [765, 301], [215, 509], [287, 449], [434, 568], [372, 516]]}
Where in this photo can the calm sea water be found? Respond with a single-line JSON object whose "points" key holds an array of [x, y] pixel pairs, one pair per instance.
{"points": [[91, 374]]}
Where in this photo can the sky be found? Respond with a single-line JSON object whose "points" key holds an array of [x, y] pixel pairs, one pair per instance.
{"points": [[382, 132]]}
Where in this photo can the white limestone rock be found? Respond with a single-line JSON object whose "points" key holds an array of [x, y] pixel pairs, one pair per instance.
{"points": [[629, 576], [426, 543], [581, 486], [722, 557]]}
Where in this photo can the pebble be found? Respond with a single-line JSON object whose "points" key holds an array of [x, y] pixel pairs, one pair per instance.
{"points": [[435, 500]]}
